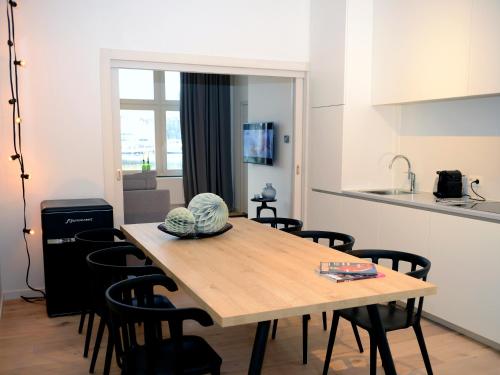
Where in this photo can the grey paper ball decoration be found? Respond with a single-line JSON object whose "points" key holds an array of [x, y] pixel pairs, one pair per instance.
{"points": [[210, 212], [180, 220]]}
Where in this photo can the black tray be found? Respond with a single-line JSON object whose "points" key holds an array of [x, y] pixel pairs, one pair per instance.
{"points": [[195, 236]]}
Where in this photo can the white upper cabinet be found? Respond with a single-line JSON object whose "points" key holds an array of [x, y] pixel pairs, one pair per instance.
{"points": [[420, 49], [328, 20], [484, 77]]}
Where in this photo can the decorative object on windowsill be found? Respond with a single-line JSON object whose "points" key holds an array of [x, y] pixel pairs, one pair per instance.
{"points": [[269, 192], [17, 124], [206, 216], [180, 220]]}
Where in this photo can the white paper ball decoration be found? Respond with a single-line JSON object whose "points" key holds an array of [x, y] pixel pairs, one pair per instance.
{"points": [[180, 220], [210, 212]]}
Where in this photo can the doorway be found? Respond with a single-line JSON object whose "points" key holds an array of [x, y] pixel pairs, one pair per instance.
{"points": [[112, 127]]}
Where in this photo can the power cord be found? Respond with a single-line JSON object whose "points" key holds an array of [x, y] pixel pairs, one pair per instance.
{"points": [[482, 199]]}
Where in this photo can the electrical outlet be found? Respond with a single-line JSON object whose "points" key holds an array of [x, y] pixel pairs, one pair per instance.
{"points": [[474, 177]]}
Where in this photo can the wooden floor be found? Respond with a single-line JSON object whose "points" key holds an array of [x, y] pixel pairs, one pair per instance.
{"points": [[32, 343]]}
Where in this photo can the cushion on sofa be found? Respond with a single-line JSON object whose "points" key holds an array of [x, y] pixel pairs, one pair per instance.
{"points": [[140, 181]]}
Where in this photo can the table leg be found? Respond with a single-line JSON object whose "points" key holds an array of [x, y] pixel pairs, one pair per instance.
{"points": [[383, 345], [259, 347]]}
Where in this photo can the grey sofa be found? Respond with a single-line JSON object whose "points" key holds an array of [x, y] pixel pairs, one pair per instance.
{"points": [[142, 201]]}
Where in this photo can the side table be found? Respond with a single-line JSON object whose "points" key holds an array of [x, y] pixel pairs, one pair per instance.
{"points": [[264, 206]]}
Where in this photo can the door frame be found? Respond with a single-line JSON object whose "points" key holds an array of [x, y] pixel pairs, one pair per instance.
{"points": [[111, 59]]}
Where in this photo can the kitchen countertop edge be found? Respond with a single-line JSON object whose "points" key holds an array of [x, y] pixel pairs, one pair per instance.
{"points": [[420, 200]]}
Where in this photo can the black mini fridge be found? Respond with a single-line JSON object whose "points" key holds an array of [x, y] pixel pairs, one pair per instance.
{"points": [[66, 280]]}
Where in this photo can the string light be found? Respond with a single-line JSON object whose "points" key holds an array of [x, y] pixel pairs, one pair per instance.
{"points": [[14, 64]]}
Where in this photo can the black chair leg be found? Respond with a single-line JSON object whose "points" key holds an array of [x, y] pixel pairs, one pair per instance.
{"points": [[356, 335], [324, 320], [331, 341], [423, 348], [275, 327], [109, 354], [373, 354], [305, 323], [89, 334], [97, 344], [82, 321]]}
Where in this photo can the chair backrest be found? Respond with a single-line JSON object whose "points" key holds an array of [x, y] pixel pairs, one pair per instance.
{"points": [[101, 238], [145, 309], [283, 223], [92, 240], [419, 268], [108, 266], [338, 241]]}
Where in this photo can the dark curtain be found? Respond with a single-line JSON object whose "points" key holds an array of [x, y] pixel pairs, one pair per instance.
{"points": [[205, 114]]}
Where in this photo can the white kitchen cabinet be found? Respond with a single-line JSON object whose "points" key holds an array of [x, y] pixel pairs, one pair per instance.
{"points": [[356, 217], [465, 257], [464, 253], [404, 229], [420, 50], [327, 42], [325, 148], [484, 77], [324, 211]]}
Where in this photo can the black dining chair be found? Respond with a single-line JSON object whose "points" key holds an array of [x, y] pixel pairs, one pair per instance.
{"points": [[87, 242], [108, 266], [338, 241], [146, 351], [393, 316], [283, 223]]}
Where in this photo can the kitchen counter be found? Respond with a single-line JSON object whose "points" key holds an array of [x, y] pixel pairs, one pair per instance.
{"points": [[451, 237], [420, 200]]}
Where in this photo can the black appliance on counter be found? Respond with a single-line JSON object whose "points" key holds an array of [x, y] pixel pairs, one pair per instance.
{"points": [[449, 184], [66, 281]]}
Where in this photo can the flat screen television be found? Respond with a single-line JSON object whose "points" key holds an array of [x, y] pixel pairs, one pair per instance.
{"points": [[258, 143]]}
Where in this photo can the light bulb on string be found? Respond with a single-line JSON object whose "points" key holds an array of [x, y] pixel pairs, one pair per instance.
{"points": [[28, 231], [21, 63], [18, 120], [14, 157], [26, 176]]}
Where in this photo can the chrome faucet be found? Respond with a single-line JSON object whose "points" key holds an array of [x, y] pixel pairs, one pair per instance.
{"points": [[411, 175]]}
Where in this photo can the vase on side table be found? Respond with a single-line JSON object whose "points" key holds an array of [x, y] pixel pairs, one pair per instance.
{"points": [[269, 192]]}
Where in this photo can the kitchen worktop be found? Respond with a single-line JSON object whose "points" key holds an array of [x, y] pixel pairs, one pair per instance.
{"points": [[425, 201]]}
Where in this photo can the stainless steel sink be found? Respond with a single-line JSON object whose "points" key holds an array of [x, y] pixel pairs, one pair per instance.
{"points": [[387, 192]]}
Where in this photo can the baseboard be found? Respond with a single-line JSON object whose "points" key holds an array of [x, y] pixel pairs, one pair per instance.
{"points": [[16, 294], [463, 331], [474, 336]]}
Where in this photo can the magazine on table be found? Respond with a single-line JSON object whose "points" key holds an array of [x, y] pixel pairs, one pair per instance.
{"points": [[348, 268], [349, 271], [342, 278]]}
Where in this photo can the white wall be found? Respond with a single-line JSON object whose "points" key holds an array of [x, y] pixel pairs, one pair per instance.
{"points": [[369, 133], [60, 88], [271, 99], [457, 134]]}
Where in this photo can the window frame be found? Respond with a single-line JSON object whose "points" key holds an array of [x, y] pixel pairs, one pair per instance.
{"points": [[159, 105]]}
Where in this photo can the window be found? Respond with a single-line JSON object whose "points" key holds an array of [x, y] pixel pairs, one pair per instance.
{"points": [[150, 120]]}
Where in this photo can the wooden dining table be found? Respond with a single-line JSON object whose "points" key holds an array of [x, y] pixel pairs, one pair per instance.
{"points": [[254, 274]]}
